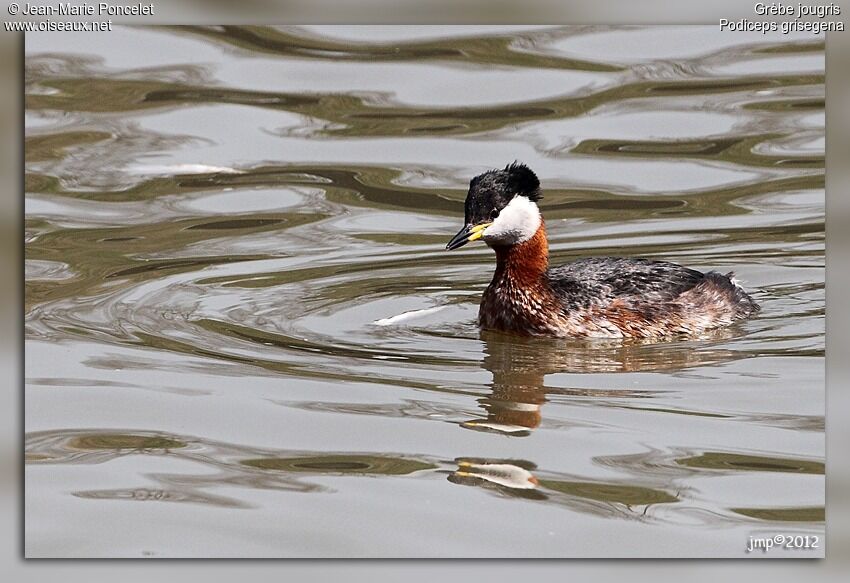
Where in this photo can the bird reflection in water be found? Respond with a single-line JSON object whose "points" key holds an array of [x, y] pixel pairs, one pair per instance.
{"points": [[518, 393], [511, 477], [513, 406], [519, 366], [516, 479]]}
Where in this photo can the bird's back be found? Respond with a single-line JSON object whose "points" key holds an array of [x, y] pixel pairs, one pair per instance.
{"points": [[646, 298]]}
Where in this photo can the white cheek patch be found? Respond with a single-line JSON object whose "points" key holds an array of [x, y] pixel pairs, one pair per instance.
{"points": [[518, 222]]}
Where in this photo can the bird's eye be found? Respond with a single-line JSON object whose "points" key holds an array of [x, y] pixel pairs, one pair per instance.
{"points": [[494, 214]]}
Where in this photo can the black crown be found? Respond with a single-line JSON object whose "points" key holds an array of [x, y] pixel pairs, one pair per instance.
{"points": [[522, 180]]}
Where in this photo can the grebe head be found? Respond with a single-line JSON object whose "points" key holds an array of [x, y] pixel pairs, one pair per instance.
{"points": [[501, 208]]}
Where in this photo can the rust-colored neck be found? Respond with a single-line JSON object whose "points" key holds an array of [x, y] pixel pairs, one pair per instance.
{"points": [[526, 262]]}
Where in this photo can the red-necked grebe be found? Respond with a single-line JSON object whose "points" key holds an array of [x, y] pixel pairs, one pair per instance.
{"points": [[608, 297]]}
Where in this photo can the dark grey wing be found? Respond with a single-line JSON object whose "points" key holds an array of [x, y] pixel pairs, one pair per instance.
{"points": [[599, 280]]}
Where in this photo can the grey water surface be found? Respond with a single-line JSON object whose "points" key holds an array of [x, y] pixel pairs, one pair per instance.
{"points": [[244, 336]]}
